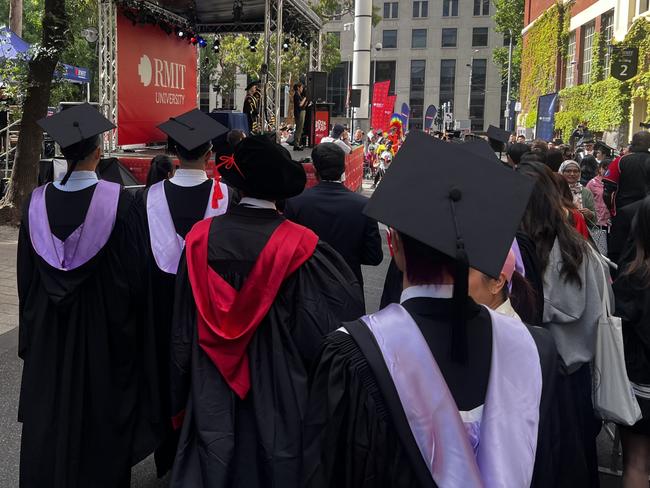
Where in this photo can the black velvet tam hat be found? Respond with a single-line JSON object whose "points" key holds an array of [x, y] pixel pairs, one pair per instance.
{"points": [[260, 168]]}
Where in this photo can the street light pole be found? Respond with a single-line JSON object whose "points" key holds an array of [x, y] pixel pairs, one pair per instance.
{"points": [[378, 48], [469, 88], [509, 81]]}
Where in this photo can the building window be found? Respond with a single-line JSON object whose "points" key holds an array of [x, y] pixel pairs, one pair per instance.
{"points": [[477, 94], [587, 51], [390, 10], [389, 39], [449, 37], [607, 29], [447, 81], [570, 60], [481, 7], [336, 39], [419, 38], [385, 72], [479, 37], [420, 8], [338, 82], [416, 94], [644, 6], [450, 8]]}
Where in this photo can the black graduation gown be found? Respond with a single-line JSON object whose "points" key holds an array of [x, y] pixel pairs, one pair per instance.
{"points": [[187, 207], [255, 442], [85, 393], [356, 434]]}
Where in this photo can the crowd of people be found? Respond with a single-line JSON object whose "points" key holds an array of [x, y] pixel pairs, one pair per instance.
{"points": [[220, 324]]}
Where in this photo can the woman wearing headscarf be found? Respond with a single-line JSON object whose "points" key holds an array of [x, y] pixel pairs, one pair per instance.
{"points": [[582, 197]]}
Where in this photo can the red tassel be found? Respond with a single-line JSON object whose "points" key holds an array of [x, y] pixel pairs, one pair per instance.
{"points": [[217, 194]]}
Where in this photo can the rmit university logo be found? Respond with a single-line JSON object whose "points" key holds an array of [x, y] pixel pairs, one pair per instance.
{"points": [[144, 70], [164, 74]]}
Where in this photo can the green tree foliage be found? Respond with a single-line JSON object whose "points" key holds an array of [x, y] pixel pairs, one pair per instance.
{"points": [[509, 20], [78, 51], [331, 9], [234, 55]]}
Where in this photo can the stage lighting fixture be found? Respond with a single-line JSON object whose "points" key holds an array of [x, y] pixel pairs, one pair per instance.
{"points": [[305, 43], [167, 29], [285, 45], [180, 33], [194, 40], [216, 46], [202, 42], [252, 44]]}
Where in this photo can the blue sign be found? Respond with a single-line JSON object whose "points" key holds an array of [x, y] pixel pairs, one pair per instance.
{"points": [[429, 116], [75, 74], [546, 108]]}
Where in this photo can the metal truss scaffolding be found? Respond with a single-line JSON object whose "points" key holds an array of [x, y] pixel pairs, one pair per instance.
{"points": [[108, 68], [272, 72], [315, 52]]}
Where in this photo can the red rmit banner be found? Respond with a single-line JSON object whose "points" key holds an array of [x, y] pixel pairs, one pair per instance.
{"points": [[379, 100], [156, 80]]}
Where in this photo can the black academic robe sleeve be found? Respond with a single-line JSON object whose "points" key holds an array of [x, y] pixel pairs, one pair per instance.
{"points": [[372, 253], [25, 267], [349, 437], [183, 328]]}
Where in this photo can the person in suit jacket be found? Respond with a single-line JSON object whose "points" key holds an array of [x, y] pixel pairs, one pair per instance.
{"points": [[336, 213]]}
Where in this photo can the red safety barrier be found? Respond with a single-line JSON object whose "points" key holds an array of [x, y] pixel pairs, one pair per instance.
{"points": [[139, 166]]}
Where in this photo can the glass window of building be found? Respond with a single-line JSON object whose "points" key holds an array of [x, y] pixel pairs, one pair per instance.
{"points": [[587, 51], [420, 8], [416, 93], [450, 8], [644, 6], [336, 39], [338, 81], [449, 37], [570, 60], [418, 38], [390, 10], [481, 7], [447, 81], [607, 30], [389, 39], [477, 94], [385, 72], [479, 37]]}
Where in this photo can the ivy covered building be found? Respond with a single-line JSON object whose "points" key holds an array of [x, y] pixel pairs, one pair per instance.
{"points": [[568, 48]]}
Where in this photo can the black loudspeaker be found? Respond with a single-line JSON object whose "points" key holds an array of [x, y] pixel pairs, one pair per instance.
{"points": [[317, 86], [355, 97]]}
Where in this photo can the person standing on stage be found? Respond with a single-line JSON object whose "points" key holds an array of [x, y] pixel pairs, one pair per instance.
{"points": [[81, 331], [252, 105], [299, 107], [255, 295], [172, 207], [335, 213], [436, 391]]}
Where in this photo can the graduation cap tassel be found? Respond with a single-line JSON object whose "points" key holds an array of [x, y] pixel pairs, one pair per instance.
{"points": [[461, 277], [71, 168]]}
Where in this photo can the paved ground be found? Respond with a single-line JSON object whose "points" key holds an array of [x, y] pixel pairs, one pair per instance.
{"points": [[144, 473]]}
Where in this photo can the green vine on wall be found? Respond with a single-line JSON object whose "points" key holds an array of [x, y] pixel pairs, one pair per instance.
{"points": [[542, 43], [603, 105]]}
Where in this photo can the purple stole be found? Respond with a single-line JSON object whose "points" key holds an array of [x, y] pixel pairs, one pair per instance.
{"points": [[87, 239], [166, 245], [508, 432]]}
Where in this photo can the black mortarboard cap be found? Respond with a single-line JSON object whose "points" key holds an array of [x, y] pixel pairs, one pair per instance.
{"points": [[74, 130], [457, 202], [252, 84], [75, 124], [192, 129], [498, 134], [480, 147]]}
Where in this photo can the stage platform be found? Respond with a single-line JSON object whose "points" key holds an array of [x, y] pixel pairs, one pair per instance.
{"points": [[138, 163]]}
